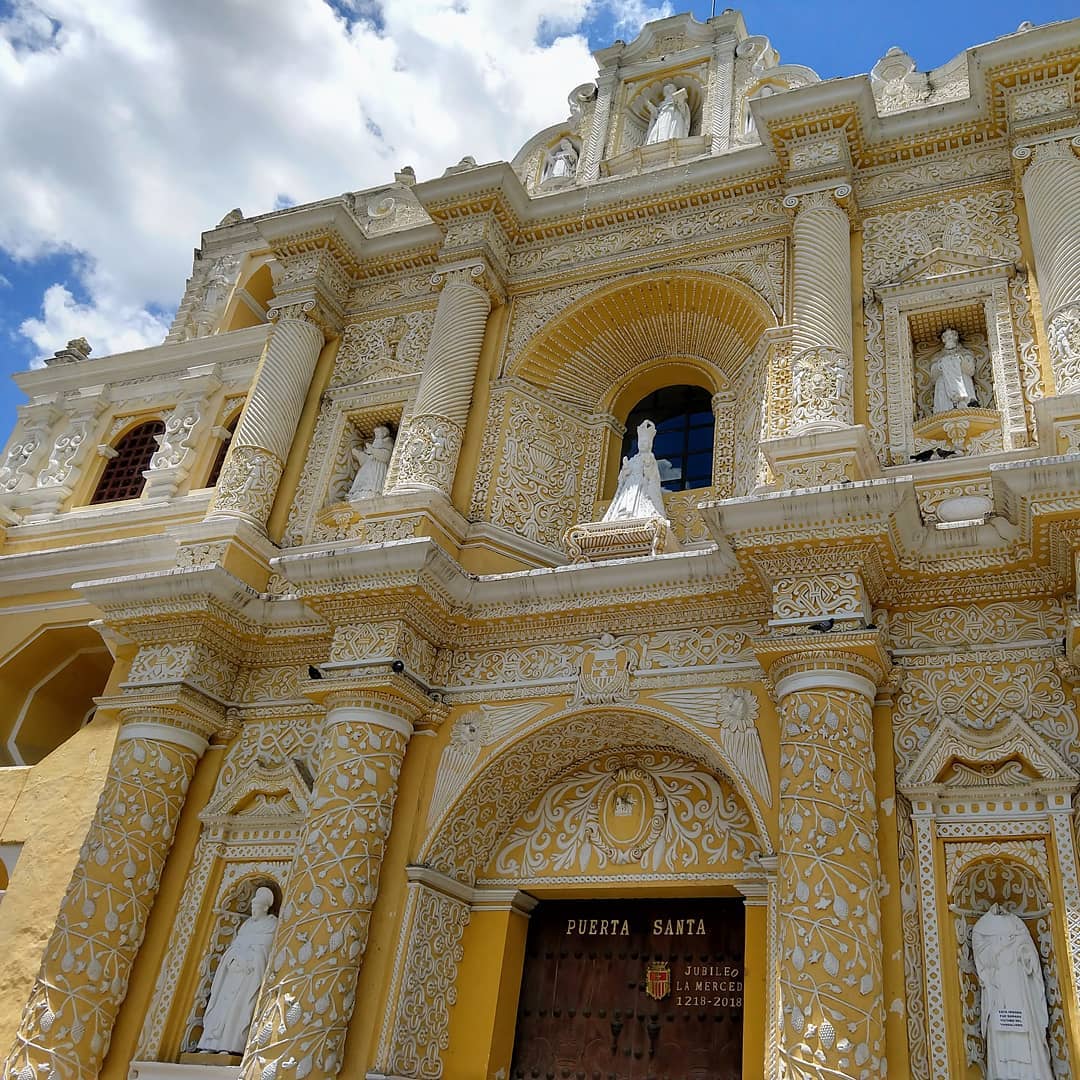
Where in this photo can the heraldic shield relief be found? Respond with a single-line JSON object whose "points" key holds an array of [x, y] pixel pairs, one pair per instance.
{"points": [[632, 989]]}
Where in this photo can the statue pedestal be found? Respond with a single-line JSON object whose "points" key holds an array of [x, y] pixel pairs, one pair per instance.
{"points": [[821, 458], [205, 1057], [963, 431], [207, 1067], [592, 541]]}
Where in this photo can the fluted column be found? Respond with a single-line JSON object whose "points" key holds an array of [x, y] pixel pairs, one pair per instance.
{"points": [[257, 453], [829, 964], [432, 440], [1051, 186], [822, 365], [68, 1021], [310, 985]]}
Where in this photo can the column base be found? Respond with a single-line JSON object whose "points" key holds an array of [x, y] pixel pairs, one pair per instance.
{"points": [[820, 458]]}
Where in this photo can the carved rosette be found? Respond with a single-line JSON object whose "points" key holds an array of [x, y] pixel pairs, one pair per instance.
{"points": [[829, 964], [68, 1021], [309, 990], [1051, 185]]}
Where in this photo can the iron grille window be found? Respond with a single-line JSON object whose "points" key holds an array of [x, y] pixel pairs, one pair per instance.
{"points": [[123, 475], [223, 449], [684, 435]]}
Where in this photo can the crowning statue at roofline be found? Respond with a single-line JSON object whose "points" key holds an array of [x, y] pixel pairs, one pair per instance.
{"points": [[671, 118]]}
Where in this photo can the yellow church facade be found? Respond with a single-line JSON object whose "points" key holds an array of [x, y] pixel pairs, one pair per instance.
{"points": [[606, 614]]}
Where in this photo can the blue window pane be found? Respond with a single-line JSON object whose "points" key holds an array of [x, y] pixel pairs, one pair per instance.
{"points": [[684, 435]]}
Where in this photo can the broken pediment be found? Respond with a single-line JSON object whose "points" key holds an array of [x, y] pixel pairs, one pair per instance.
{"points": [[270, 793], [958, 757], [942, 264]]}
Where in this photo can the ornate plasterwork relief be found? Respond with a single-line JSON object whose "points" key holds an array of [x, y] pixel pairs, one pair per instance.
{"points": [[346, 416], [416, 1026], [885, 185], [984, 223], [465, 836], [384, 347], [531, 478], [911, 924], [655, 811], [958, 626], [980, 697]]}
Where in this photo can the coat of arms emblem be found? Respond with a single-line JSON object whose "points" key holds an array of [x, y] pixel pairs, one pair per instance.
{"points": [[658, 980]]}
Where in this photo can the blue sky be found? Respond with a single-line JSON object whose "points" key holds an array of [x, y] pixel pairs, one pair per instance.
{"points": [[129, 126]]}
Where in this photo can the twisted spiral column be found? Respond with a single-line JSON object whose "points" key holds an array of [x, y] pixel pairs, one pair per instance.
{"points": [[822, 365], [68, 1021], [830, 964], [432, 441], [257, 454], [1051, 186], [309, 989]]}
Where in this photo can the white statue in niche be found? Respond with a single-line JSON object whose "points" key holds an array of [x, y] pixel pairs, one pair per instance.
{"points": [[1014, 1012], [671, 118], [952, 370], [561, 162], [237, 979], [373, 463], [638, 493]]}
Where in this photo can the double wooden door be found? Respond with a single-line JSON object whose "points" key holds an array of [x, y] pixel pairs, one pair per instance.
{"points": [[632, 990]]}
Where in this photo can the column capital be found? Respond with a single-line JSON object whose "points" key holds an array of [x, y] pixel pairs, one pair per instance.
{"points": [[393, 694], [837, 196], [1046, 150], [474, 273], [856, 661]]}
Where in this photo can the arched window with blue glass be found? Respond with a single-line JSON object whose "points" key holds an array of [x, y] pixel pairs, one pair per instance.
{"points": [[683, 445]]}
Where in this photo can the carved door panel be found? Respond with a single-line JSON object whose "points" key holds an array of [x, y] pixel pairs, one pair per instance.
{"points": [[632, 990]]}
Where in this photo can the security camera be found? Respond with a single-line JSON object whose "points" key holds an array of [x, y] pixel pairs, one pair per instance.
{"points": [[397, 667]]}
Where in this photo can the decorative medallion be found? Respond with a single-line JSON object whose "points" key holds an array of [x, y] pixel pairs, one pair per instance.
{"points": [[658, 980]]}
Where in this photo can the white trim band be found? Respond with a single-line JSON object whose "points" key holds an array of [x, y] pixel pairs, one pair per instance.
{"points": [[362, 714], [164, 733], [825, 679]]}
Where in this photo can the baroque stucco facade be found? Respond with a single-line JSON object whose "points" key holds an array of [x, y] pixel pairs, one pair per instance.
{"points": [[846, 694]]}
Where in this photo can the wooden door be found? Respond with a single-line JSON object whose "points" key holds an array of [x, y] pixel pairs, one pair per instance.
{"points": [[632, 990]]}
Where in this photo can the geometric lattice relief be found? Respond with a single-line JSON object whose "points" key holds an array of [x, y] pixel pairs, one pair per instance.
{"points": [[1019, 891]]}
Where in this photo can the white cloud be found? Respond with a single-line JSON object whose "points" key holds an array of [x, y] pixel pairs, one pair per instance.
{"points": [[129, 126]]}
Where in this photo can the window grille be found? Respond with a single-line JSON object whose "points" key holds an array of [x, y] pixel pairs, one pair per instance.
{"points": [[123, 475]]}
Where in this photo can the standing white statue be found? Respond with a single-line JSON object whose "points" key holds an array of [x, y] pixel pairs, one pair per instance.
{"points": [[1014, 1012], [373, 462], [952, 369], [237, 979], [671, 118], [638, 493], [561, 163]]}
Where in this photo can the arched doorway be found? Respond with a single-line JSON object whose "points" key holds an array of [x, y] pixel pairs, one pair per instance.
{"points": [[634, 845]]}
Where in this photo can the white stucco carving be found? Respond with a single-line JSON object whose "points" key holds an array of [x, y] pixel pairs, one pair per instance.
{"points": [[373, 462], [1014, 1012], [671, 118], [952, 370], [638, 494], [237, 980]]}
